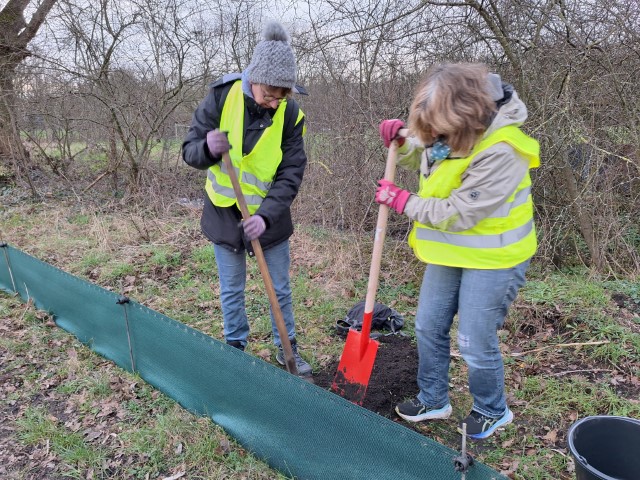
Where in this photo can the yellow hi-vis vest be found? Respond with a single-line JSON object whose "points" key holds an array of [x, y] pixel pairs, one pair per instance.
{"points": [[256, 170], [505, 238]]}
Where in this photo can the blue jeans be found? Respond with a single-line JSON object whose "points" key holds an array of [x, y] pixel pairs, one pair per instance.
{"points": [[232, 270], [481, 298]]}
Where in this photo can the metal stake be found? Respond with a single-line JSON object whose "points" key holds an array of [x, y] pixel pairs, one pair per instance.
{"points": [[3, 245], [122, 300], [464, 461]]}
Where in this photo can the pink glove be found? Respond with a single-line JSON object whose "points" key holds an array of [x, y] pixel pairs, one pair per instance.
{"points": [[389, 132], [391, 195], [254, 227], [218, 143]]}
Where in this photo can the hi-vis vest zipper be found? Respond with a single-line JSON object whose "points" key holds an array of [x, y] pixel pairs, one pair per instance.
{"points": [[256, 170], [505, 238]]}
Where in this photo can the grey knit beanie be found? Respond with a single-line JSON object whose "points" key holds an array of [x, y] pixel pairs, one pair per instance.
{"points": [[273, 61]]}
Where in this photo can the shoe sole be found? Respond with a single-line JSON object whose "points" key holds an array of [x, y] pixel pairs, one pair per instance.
{"points": [[441, 414], [504, 421]]}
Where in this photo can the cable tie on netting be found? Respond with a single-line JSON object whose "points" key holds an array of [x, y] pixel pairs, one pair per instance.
{"points": [[4, 246], [123, 300]]}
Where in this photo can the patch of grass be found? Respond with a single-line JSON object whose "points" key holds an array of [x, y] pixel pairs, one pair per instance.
{"points": [[164, 256], [176, 438], [403, 296], [37, 426], [626, 287], [187, 281], [95, 161], [582, 311], [14, 220], [571, 291], [204, 259], [551, 398], [537, 291], [148, 443], [539, 462], [148, 434], [151, 292], [80, 219], [92, 260], [94, 383], [96, 419], [598, 326], [16, 347], [118, 270]]}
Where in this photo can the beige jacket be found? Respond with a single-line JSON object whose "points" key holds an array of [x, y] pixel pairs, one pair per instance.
{"points": [[486, 184]]}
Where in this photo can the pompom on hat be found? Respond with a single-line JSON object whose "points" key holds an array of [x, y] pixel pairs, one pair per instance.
{"points": [[273, 62]]}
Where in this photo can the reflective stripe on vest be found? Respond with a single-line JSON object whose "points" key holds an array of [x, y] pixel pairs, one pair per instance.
{"points": [[257, 169], [503, 239], [224, 191], [477, 241]]}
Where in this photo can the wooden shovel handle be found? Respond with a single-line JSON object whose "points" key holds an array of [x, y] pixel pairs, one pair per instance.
{"points": [[378, 242], [290, 361]]}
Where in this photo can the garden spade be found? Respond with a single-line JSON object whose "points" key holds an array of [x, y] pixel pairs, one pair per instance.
{"points": [[289, 359], [359, 354]]}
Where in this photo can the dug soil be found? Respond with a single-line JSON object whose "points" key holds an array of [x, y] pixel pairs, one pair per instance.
{"points": [[393, 378]]}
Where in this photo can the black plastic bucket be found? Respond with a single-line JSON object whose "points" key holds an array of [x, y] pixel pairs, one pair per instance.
{"points": [[606, 448]]}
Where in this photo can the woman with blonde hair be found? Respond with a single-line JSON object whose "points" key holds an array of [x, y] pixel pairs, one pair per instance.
{"points": [[473, 227]]}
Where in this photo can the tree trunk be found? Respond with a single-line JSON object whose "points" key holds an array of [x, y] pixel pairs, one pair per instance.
{"points": [[11, 146], [113, 161], [13, 155], [582, 214], [15, 35]]}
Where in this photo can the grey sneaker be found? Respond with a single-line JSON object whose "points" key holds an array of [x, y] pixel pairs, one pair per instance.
{"points": [[304, 369], [480, 426], [414, 411]]}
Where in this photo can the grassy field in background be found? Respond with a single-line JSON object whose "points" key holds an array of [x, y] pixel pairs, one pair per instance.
{"points": [[571, 347]]}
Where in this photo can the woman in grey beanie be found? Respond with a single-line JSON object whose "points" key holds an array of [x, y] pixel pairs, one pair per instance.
{"points": [[252, 116]]}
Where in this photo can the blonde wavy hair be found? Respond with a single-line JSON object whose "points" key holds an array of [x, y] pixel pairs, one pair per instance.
{"points": [[452, 101]]}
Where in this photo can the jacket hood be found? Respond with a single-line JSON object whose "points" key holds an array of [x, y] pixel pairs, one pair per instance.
{"points": [[513, 112]]}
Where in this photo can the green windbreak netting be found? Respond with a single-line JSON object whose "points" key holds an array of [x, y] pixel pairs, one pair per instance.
{"points": [[296, 427]]}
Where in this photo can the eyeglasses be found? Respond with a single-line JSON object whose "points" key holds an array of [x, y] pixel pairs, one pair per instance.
{"points": [[270, 98]]}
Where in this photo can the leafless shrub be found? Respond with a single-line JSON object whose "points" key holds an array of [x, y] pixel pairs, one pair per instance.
{"points": [[111, 80]]}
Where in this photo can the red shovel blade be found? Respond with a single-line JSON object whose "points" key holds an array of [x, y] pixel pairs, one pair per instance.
{"points": [[354, 370]]}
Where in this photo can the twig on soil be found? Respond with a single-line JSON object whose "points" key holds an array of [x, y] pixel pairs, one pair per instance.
{"points": [[588, 370], [559, 345], [26, 309]]}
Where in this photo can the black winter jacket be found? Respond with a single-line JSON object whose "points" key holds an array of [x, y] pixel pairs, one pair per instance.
{"points": [[221, 224]]}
